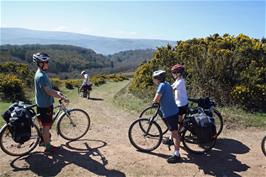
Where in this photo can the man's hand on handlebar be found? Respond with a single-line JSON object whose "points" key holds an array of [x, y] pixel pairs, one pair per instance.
{"points": [[63, 97], [155, 104]]}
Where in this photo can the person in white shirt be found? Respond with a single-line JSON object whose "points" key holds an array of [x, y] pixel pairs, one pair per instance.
{"points": [[86, 85], [180, 93], [179, 87]]}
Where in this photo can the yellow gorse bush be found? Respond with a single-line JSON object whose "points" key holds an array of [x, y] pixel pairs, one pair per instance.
{"points": [[229, 69], [11, 87]]}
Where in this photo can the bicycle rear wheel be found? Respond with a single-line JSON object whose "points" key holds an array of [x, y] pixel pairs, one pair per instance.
{"points": [[73, 125], [192, 143], [140, 136], [149, 113], [10, 147], [263, 145]]}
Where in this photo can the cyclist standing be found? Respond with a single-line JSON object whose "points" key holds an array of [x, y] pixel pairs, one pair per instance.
{"points": [[179, 87], [86, 85], [164, 95], [44, 98]]}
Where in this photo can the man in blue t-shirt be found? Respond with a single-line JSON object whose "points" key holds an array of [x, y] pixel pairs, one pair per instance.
{"points": [[44, 98], [165, 97]]}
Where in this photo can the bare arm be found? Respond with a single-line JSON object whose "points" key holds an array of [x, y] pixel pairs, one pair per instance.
{"points": [[53, 93], [157, 98]]}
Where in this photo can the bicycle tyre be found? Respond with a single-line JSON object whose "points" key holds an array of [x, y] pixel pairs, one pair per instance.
{"points": [[132, 141], [187, 146], [64, 117], [263, 145], [220, 119], [8, 150]]}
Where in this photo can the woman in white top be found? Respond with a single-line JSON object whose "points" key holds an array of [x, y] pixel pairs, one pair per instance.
{"points": [[181, 98], [179, 87]]}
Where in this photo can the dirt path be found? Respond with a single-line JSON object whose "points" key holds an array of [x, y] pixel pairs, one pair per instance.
{"points": [[106, 151]]}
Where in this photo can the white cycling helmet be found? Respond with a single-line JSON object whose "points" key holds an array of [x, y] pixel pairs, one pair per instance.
{"points": [[40, 57], [159, 74], [83, 72]]}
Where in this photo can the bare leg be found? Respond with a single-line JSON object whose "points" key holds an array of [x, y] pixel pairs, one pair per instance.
{"points": [[46, 135], [176, 139]]}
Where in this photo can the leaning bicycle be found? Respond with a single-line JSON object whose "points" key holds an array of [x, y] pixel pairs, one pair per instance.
{"points": [[146, 135], [207, 105], [71, 124]]}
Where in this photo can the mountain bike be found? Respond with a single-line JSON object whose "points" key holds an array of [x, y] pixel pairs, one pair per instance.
{"points": [[146, 135], [207, 105], [71, 124]]}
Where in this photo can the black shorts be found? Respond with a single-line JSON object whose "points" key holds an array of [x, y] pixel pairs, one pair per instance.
{"points": [[46, 115], [172, 122], [86, 87], [183, 110]]}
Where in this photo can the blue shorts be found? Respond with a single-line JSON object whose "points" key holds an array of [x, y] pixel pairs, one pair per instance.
{"points": [[172, 122]]}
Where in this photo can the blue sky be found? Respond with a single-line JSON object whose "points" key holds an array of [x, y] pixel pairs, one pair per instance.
{"points": [[171, 20]]}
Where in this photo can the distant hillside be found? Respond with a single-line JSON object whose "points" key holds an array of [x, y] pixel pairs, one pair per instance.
{"points": [[129, 60], [68, 61], [65, 60], [101, 45]]}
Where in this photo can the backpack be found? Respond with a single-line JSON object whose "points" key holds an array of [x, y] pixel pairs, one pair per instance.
{"points": [[20, 121]]}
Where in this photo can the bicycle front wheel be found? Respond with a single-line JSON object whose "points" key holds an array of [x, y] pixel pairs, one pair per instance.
{"points": [[74, 124], [263, 145], [192, 143], [10, 147], [149, 113], [140, 135]]}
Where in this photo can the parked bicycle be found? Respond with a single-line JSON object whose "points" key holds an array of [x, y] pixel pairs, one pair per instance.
{"points": [[85, 91], [71, 124], [263, 145], [205, 103], [146, 135]]}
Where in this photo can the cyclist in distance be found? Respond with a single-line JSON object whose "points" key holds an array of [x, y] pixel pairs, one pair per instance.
{"points": [[86, 85]]}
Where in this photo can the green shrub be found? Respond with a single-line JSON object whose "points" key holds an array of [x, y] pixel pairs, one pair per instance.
{"points": [[11, 88], [98, 80], [22, 71], [252, 97], [215, 66], [57, 83], [70, 84]]}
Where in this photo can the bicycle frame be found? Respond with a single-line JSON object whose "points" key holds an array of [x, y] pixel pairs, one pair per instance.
{"points": [[60, 112]]}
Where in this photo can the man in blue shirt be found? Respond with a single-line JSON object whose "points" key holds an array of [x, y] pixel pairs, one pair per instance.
{"points": [[164, 96], [44, 98]]}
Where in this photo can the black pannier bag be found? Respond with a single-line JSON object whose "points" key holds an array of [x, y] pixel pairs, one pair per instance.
{"points": [[20, 121], [203, 127], [7, 114]]}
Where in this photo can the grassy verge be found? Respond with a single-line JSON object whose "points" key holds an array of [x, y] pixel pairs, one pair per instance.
{"points": [[233, 117], [237, 117], [130, 102]]}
